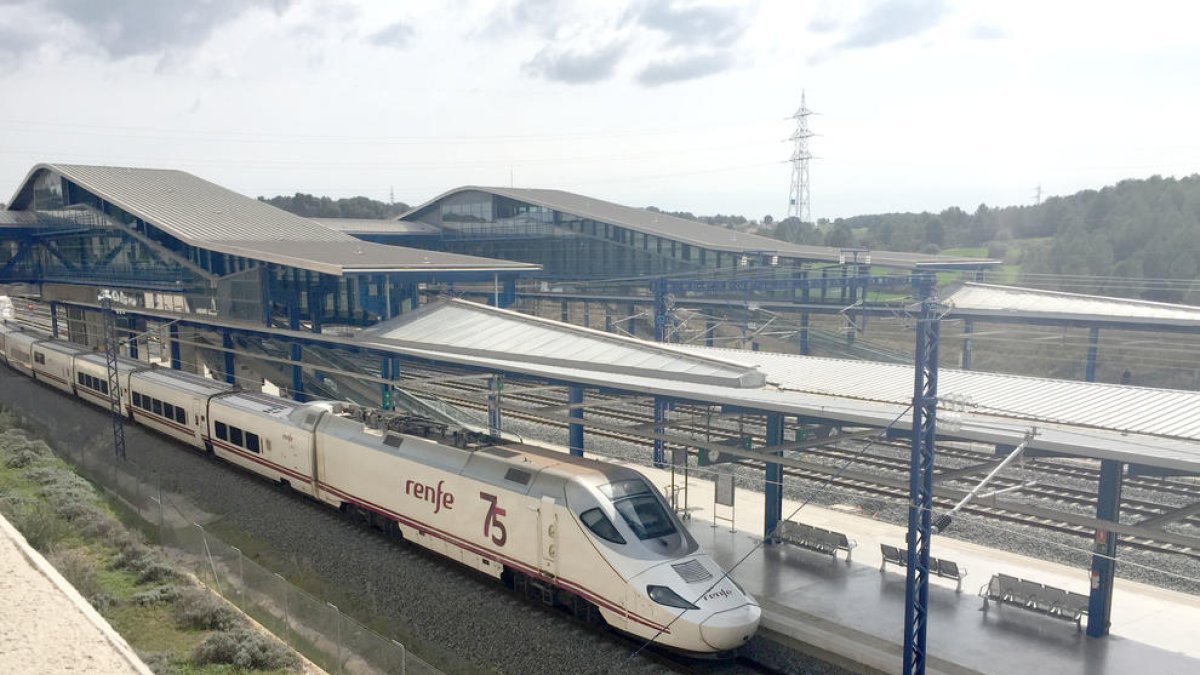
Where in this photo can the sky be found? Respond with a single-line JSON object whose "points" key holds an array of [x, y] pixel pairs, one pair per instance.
{"points": [[919, 104]]}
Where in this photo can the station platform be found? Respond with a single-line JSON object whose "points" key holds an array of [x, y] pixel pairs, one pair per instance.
{"points": [[852, 614]]}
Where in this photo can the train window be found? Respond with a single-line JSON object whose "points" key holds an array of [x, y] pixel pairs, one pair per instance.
{"points": [[645, 516], [103, 387], [80, 378], [222, 430], [599, 523], [39, 357], [168, 411], [180, 415], [235, 435], [518, 476], [252, 442], [146, 402], [156, 406]]}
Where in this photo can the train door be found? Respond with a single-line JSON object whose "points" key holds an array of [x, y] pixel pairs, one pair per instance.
{"points": [[199, 421], [548, 537]]}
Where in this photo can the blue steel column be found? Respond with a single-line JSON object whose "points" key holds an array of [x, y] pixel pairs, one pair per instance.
{"points": [[924, 421], [176, 356], [297, 352], [510, 292], [54, 319], [710, 327], [1104, 562], [773, 482], [1089, 369], [135, 328], [575, 429], [805, 294], [660, 310], [385, 388], [227, 343], [968, 328], [660, 415]]}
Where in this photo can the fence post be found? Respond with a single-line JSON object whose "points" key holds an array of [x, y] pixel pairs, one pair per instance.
{"points": [[403, 657], [287, 612], [337, 613]]}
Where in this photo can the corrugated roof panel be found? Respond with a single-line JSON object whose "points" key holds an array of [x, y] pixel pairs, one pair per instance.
{"points": [[468, 328], [1118, 408], [973, 299]]}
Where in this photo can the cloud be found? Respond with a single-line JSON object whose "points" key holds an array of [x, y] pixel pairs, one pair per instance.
{"points": [[893, 20], [685, 24], [576, 67], [393, 35], [136, 27], [984, 31], [689, 68]]}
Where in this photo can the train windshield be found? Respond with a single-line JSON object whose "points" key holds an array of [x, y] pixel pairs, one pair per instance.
{"points": [[640, 508]]}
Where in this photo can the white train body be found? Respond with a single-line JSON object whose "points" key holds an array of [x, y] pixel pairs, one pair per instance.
{"points": [[582, 533], [52, 362]]}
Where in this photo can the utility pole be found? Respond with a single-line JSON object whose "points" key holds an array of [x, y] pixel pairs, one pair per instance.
{"points": [[798, 199], [111, 350]]}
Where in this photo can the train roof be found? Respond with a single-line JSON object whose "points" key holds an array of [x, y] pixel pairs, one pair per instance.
{"points": [[596, 472], [124, 365], [63, 347], [264, 405], [195, 384]]}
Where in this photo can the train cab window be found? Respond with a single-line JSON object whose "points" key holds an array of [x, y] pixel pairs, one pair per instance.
{"points": [[222, 430], [601, 526], [156, 406], [235, 435], [252, 442], [639, 508], [180, 415]]}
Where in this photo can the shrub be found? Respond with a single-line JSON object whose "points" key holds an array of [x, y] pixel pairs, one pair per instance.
{"points": [[159, 662], [39, 523], [244, 648], [77, 567], [155, 596], [199, 608]]}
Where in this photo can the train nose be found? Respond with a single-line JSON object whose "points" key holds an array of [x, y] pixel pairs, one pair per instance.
{"points": [[731, 628]]}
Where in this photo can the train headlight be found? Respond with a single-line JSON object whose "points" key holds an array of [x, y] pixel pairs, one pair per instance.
{"points": [[665, 596]]}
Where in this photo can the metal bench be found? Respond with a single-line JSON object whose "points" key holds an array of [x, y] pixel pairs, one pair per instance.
{"points": [[938, 566], [1034, 597], [814, 539]]}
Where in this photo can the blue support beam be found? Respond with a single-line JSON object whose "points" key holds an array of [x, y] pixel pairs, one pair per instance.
{"points": [[297, 351], [176, 356], [227, 344], [1089, 368], [773, 480], [1104, 561], [134, 329], [386, 365], [510, 292], [660, 310], [660, 415], [710, 329], [920, 488], [575, 429]]}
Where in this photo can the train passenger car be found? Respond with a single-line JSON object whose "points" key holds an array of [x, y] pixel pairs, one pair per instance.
{"points": [[52, 362], [91, 378], [577, 531], [18, 345], [174, 402], [264, 434]]}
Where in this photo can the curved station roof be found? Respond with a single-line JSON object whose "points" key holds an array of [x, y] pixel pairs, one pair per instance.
{"points": [[693, 232], [212, 217]]}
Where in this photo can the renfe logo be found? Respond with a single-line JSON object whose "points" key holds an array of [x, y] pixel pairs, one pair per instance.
{"points": [[716, 595], [430, 494]]}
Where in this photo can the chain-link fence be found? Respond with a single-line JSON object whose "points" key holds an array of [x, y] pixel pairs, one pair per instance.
{"points": [[315, 628]]}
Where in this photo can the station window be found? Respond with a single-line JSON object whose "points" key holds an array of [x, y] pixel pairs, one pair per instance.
{"points": [[222, 430], [252, 442]]}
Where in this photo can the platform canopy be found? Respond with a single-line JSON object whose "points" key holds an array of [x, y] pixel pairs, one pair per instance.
{"points": [[988, 301]]}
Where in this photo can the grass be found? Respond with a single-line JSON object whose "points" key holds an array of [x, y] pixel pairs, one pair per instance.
{"points": [[141, 595]]}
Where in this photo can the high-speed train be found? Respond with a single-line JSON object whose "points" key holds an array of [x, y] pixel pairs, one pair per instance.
{"points": [[594, 538]]}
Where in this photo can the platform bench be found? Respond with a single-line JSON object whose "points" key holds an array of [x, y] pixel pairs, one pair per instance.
{"points": [[1034, 597], [814, 539], [938, 566]]}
